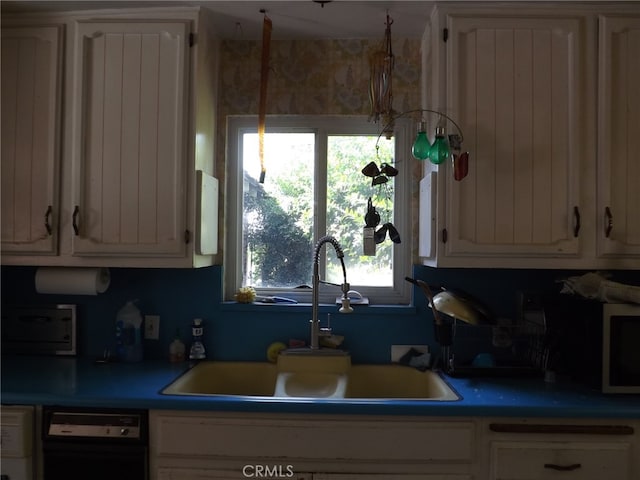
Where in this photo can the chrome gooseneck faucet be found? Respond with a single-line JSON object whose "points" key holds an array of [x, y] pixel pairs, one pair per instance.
{"points": [[316, 331]]}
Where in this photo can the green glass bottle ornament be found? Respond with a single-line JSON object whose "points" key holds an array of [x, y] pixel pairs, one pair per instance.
{"points": [[440, 149], [421, 145]]}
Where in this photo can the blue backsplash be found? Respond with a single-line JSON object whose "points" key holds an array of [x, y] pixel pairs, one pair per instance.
{"points": [[239, 332]]}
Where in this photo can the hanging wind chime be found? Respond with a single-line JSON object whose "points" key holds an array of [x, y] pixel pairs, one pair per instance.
{"points": [[381, 64]]}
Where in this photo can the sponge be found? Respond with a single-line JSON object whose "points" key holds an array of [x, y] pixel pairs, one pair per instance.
{"points": [[332, 341], [273, 350], [416, 359]]}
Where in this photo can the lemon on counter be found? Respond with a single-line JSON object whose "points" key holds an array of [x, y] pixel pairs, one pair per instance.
{"points": [[274, 350]]}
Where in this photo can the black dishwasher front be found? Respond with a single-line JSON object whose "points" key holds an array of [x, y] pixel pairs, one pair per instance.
{"points": [[96, 443]]}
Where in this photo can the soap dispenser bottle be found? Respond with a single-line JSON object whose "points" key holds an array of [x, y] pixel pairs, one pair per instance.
{"points": [[197, 351], [176, 349]]}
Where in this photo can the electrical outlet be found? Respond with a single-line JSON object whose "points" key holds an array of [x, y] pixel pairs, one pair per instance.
{"points": [[398, 351], [152, 327]]}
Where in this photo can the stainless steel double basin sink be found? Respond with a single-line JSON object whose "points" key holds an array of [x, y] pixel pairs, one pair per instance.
{"points": [[312, 376]]}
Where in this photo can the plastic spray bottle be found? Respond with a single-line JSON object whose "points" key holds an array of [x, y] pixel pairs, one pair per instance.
{"points": [[197, 351], [129, 333]]}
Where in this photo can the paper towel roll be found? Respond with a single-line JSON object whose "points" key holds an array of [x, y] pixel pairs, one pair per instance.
{"points": [[72, 281]]}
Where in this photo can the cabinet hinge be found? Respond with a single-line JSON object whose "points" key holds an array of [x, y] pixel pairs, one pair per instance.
{"points": [[192, 39], [445, 34], [445, 235], [187, 236]]}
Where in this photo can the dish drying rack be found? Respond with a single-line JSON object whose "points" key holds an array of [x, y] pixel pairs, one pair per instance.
{"points": [[519, 349]]}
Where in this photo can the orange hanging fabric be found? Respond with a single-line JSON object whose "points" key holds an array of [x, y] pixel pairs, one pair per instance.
{"points": [[262, 109]]}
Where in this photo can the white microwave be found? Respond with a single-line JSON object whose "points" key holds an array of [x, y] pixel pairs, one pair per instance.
{"points": [[620, 348]]}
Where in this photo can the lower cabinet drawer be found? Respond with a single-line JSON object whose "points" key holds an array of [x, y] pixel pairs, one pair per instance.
{"points": [[315, 439], [200, 474], [562, 460]]}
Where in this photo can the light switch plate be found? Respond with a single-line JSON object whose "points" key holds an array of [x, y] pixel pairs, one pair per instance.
{"points": [[152, 327], [398, 351]]}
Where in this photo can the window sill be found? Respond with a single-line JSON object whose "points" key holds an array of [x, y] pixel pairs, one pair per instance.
{"points": [[323, 308]]}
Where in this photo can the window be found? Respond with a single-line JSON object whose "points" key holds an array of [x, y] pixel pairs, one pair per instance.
{"points": [[314, 187]]}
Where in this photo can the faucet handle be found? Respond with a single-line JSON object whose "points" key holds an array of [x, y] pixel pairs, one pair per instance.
{"points": [[346, 305], [324, 332]]}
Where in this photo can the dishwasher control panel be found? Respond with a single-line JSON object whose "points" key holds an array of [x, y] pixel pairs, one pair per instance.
{"points": [[95, 425]]}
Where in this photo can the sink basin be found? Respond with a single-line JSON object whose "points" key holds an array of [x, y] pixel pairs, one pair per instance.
{"points": [[226, 378], [313, 384], [397, 381], [311, 377]]}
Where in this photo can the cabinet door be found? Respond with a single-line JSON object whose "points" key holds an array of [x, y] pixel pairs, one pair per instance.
{"points": [[515, 86], [567, 460], [619, 136], [195, 474], [390, 476], [282, 470], [30, 138], [256, 470], [130, 145]]}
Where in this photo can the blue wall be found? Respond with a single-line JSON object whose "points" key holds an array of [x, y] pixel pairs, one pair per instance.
{"points": [[242, 332]]}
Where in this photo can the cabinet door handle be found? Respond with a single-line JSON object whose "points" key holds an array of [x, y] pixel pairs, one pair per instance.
{"points": [[563, 468], [608, 222], [576, 221], [47, 218], [74, 222]]}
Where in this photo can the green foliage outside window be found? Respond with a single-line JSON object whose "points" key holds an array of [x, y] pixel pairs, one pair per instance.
{"points": [[278, 215]]}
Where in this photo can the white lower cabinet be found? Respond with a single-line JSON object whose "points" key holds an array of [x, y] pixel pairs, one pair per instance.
{"points": [[200, 474], [574, 460], [208, 474], [203, 445], [232, 446], [390, 476], [537, 449]]}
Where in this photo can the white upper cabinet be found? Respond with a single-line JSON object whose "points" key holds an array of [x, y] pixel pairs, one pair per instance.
{"points": [[139, 94], [31, 61], [131, 85], [618, 210], [514, 84], [522, 84]]}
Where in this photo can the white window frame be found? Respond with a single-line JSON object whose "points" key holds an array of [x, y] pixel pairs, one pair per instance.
{"points": [[322, 126]]}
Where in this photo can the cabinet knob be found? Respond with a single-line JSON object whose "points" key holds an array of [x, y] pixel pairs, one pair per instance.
{"points": [[47, 219], [608, 222], [563, 468], [74, 219], [576, 221]]}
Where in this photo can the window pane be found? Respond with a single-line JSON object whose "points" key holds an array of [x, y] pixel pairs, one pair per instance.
{"points": [[278, 215], [271, 227], [348, 191]]}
